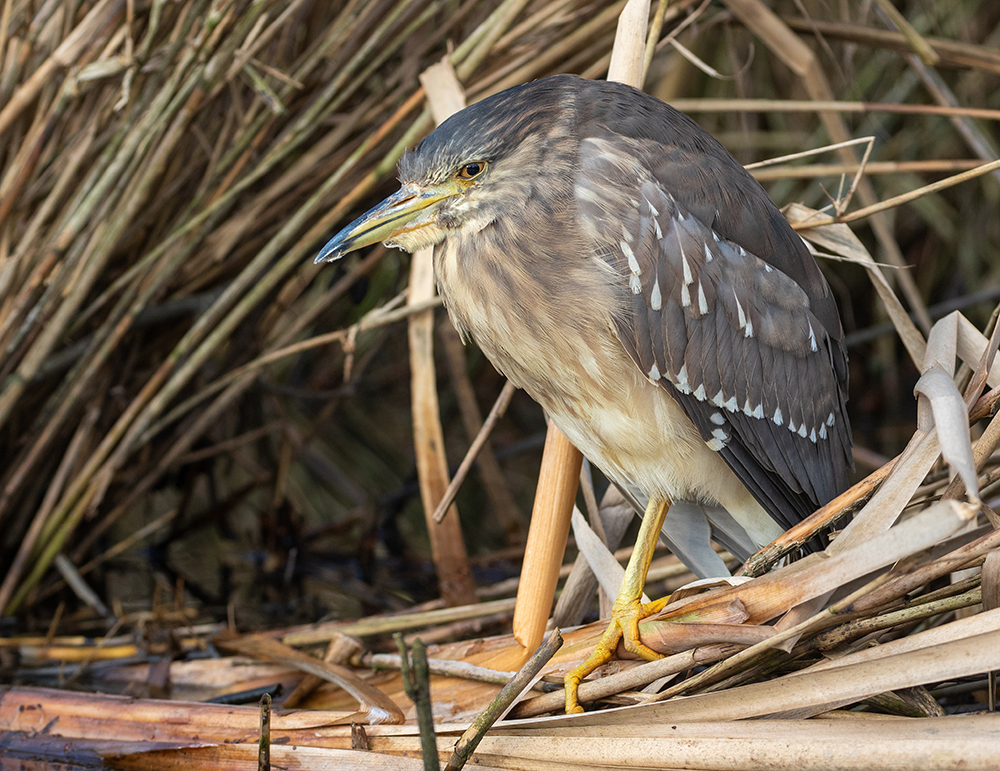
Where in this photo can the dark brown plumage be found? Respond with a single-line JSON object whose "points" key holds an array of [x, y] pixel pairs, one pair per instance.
{"points": [[613, 260]]}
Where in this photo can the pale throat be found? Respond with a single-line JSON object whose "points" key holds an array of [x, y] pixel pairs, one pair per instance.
{"points": [[436, 223]]}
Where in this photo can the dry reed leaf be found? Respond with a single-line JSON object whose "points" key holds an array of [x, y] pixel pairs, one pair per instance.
{"points": [[602, 562], [376, 707], [951, 421], [808, 694], [972, 626], [895, 493], [840, 239], [769, 595], [888, 745], [972, 346], [922, 450]]}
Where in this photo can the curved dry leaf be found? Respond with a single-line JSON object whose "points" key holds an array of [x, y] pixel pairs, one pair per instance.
{"points": [[952, 742], [602, 562], [972, 345], [960, 629], [951, 419], [376, 707], [841, 240]]}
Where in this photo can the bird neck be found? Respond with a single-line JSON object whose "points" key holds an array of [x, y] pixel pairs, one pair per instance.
{"points": [[510, 284]]}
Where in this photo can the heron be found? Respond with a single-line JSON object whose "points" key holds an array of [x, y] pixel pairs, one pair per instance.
{"points": [[613, 260]]}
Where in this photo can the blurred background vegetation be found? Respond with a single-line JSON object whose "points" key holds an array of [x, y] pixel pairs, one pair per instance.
{"points": [[168, 170]]}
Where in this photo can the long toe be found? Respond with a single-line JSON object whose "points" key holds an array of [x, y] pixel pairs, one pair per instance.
{"points": [[624, 626]]}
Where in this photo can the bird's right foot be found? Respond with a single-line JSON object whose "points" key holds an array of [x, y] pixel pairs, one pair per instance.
{"points": [[626, 614]]}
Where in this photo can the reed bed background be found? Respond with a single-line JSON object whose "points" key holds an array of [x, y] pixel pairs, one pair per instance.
{"points": [[199, 426]]}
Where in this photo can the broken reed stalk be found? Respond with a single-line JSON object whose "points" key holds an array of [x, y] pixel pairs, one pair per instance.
{"points": [[444, 668], [558, 479], [264, 744], [416, 681]]}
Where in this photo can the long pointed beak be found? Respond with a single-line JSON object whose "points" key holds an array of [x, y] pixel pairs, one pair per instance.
{"points": [[383, 222]]}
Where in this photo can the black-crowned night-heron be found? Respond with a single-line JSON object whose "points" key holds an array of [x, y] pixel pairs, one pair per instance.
{"points": [[615, 262]]}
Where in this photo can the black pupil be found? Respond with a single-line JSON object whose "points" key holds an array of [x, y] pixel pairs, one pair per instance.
{"points": [[473, 169]]}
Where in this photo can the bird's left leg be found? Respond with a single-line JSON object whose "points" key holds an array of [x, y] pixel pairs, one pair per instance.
{"points": [[628, 610]]}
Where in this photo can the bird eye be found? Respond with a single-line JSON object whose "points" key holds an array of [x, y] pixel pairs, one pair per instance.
{"points": [[471, 170]]}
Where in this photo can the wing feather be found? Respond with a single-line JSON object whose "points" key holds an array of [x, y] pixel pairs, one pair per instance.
{"points": [[730, 335]]}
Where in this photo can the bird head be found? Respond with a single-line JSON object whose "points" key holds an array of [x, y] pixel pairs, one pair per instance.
{"points": [[475, 167], [419, 214]]}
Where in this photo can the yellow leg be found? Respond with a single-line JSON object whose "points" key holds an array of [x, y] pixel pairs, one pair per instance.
{"points": [[628, 609]]}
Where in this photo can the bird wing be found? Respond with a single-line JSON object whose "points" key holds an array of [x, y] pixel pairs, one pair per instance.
{"points": [[731, 337]]}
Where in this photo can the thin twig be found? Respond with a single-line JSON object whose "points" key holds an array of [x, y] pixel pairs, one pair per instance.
{"points": [[496, 412], [498, 707], [899, 200], [448, 668]]}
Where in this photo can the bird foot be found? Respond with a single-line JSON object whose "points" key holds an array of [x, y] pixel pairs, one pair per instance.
{"points": [[626, 614]]}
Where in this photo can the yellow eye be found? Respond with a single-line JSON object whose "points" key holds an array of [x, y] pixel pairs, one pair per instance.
{"points": [[471, 170]]}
